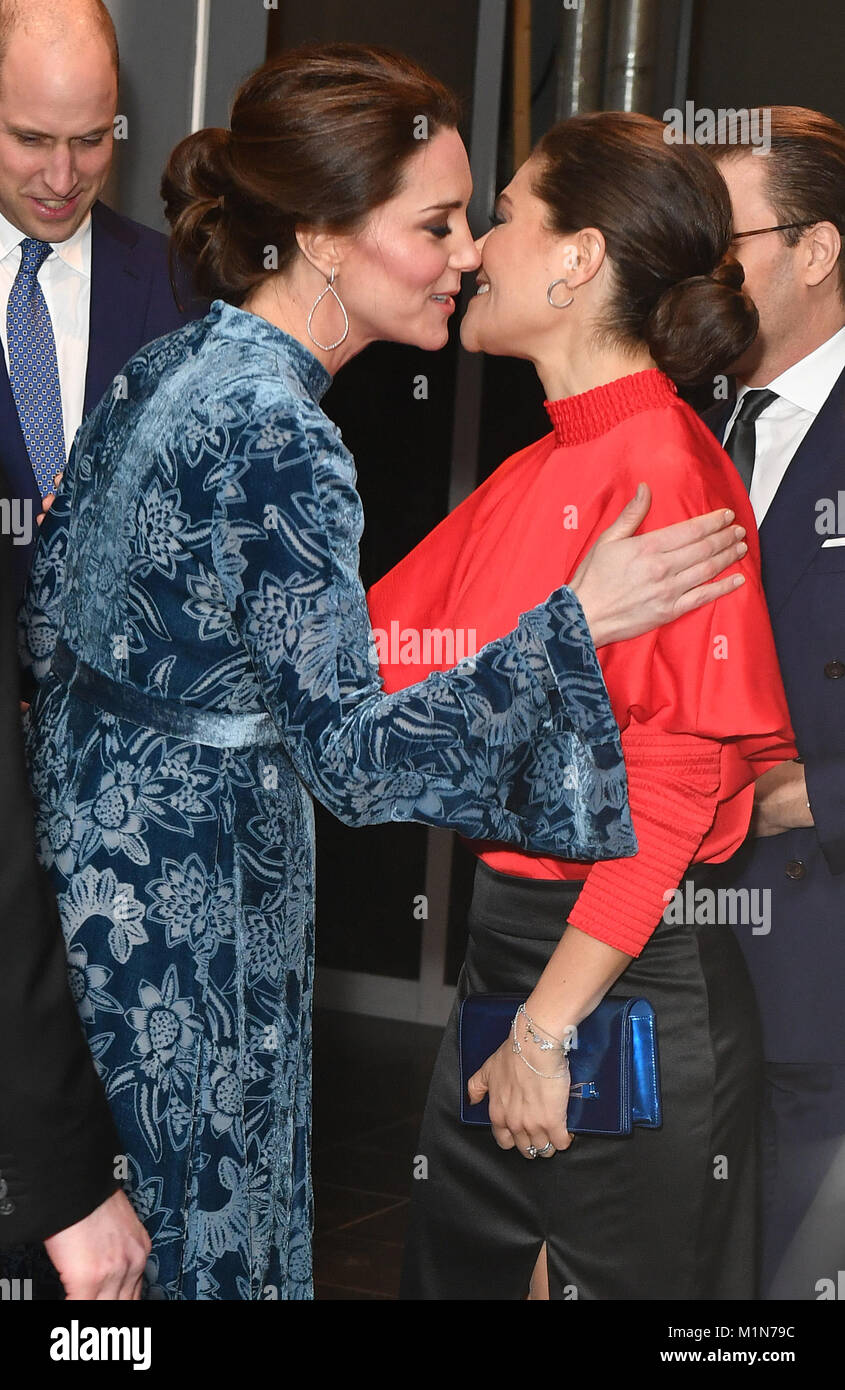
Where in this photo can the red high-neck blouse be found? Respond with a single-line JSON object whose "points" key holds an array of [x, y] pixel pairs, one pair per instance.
{"points": [[700, 702]]}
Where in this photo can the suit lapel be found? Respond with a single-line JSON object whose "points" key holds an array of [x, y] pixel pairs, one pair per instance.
{"points": [[118, 301], [789, 540], [717, 417]]}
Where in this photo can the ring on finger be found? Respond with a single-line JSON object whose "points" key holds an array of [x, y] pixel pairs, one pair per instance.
{"points": [[545, 1149], [532, 1151]]}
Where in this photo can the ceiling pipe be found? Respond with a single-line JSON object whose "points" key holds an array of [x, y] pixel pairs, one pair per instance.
{"points": [[629, 75], [580, 69]]}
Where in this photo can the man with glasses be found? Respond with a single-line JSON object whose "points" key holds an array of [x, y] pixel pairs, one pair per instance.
{"points": [[785, 431]]}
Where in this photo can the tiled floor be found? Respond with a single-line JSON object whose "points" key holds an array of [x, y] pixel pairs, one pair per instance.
{"points": [[370, 1081]]}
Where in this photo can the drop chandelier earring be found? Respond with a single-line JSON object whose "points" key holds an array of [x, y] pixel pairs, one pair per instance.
{"points": [[327, 347], [566, 304]]}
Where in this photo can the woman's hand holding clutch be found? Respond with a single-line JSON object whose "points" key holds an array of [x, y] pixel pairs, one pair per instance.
{"points": [[528, 1079], [527, 1102], [629, 584]]}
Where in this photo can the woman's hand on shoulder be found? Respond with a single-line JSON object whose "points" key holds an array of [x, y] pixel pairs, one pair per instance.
{"points": [[629, 584]]}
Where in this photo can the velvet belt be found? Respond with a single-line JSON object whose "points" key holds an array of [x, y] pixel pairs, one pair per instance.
{"points": [[214, 728]]}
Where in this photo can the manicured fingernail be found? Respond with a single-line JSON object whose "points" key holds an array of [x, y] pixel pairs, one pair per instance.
{"points": [[729, 516]]}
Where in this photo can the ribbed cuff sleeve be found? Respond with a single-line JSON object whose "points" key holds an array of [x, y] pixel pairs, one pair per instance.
{"points": [[673, 785]]}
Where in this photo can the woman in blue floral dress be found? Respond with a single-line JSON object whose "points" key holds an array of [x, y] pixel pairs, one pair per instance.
{"points": [[205, 665]]}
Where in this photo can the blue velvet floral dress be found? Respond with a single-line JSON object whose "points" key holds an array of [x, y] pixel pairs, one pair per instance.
{"points": [[205, 667]]}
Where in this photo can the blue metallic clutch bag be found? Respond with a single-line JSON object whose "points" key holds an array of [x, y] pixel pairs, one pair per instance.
{"points": [[613, 1062]]}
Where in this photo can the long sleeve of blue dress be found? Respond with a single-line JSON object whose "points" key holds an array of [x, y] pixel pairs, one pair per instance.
{"points": [[519, 744]]}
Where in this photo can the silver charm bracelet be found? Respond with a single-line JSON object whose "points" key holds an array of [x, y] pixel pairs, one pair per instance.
{"points": [[548, 1043]]}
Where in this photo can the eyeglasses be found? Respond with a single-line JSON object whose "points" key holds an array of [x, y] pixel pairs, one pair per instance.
{"points": [[784, 227]]}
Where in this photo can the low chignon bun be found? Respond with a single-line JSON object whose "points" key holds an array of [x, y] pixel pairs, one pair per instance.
{"points": [[194, 187], [701, 325]]}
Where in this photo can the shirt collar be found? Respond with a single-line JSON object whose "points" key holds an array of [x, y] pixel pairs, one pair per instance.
{"points": [[75, 252], [808, 383]]}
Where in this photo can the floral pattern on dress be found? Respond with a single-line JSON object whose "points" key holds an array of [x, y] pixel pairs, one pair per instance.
{"points": [[202, 557]]}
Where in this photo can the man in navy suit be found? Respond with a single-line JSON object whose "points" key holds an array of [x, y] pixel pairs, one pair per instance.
{"points": [[81, 288], [789, 220]]}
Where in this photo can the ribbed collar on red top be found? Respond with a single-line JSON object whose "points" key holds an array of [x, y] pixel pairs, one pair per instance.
{"points": [[578, 419]]}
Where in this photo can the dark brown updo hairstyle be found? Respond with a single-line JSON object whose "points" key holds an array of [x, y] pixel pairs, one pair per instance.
{"points": [[319, 137], [667, 223]]}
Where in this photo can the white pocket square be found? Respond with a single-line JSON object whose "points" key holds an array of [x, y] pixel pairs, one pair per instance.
{"points": [[834, 540]]}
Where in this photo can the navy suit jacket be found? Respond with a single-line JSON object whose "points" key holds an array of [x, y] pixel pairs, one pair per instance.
{"points": [[131, 304], [798, 967]]}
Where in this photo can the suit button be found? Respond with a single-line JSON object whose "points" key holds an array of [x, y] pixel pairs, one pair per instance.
{"points": [[796, 868], [834, 670], [7, 1207]]}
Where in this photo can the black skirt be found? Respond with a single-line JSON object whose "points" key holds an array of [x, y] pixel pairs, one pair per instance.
{"points": [[669, 1213]]}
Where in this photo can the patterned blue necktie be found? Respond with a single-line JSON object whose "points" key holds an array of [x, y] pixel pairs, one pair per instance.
{"points": [[34, 369]]}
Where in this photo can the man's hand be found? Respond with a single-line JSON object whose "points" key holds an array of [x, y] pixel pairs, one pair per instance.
{"points": [[780, 801], [47, 502], [104, 1255]]}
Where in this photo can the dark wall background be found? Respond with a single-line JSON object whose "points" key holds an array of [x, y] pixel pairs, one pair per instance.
{"points": [[769, 53], [438, 33]]}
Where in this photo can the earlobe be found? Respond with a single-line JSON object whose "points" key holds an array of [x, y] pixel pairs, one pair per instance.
{"points": [[321, 249]]}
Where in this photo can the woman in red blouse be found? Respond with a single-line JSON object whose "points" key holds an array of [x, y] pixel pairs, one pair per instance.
{"points": [[608, 269]]}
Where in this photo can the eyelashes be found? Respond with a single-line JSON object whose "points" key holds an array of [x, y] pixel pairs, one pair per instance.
{"points": [[439, 232]]}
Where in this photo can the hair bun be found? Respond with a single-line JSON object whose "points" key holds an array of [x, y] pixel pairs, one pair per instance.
{"points": [[198, 176], [199, 170], [729, 272], [701, 325]]}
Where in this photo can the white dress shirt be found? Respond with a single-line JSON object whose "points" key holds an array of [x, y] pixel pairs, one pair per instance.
{"points": [[65, 280], [802, 390]]}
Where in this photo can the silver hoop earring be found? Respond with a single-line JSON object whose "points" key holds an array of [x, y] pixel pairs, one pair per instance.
{"points": [[327, 347], [569, 301]]}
